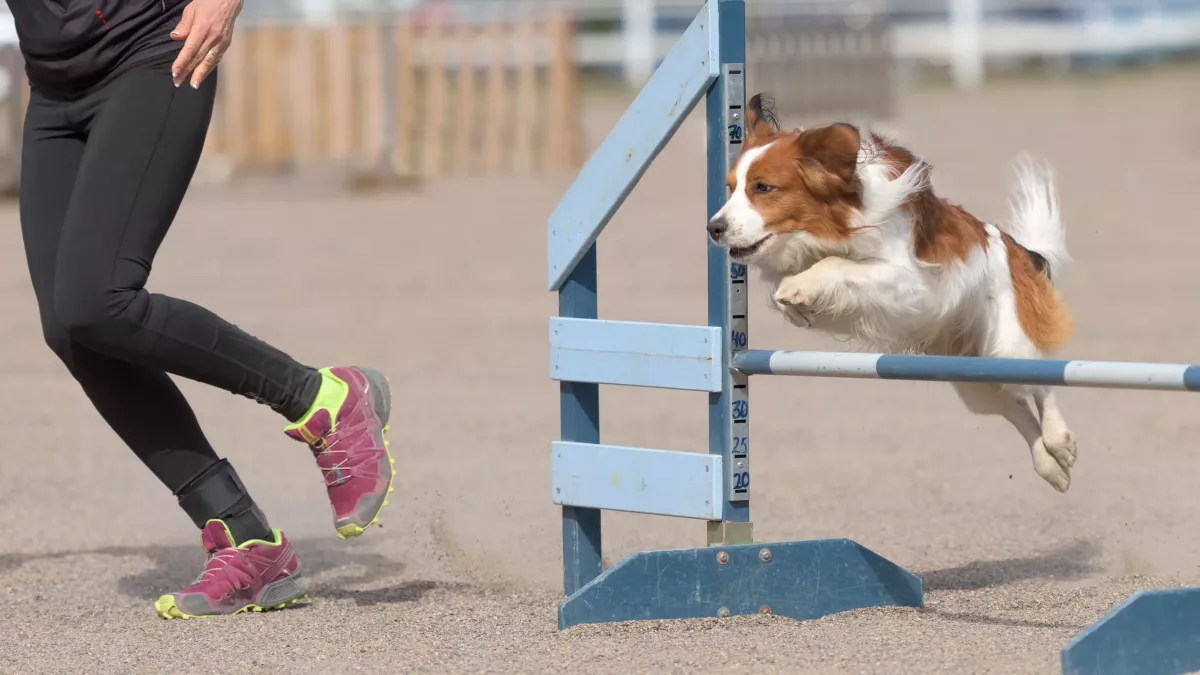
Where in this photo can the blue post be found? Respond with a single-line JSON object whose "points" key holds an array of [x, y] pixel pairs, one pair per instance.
{"points": [[728, 410], [580, 421], [730, 576]]}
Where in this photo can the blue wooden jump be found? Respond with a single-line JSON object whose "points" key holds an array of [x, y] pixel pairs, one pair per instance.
{"points": [[734, 575]]}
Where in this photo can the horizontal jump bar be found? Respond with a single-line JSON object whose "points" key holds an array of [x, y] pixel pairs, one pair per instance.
{"points": [[1097, 374]]}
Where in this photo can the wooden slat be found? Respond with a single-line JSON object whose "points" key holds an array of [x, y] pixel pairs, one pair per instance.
{"points": [[340, 90], [236, 100], [406, 99], [566, 151], [303, 94], [271, 138], [434, 123], [465, 149], [526, 104], [370, 59], [495, 121]]}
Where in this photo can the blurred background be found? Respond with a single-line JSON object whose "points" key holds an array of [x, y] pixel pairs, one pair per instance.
{"points": [[414, 151], [396, 91]]}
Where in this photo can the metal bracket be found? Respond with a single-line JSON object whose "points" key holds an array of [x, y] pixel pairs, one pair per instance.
{"points": [[726, 533]]}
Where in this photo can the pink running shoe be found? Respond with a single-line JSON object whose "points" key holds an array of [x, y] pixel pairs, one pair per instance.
{"points": [[345, 429], [255, 575]]}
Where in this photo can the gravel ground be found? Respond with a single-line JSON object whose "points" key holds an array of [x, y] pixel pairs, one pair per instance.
{"points": [[462, 577]]}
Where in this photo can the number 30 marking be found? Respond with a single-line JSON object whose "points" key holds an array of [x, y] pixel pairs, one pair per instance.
{"points": [[741, 410]]}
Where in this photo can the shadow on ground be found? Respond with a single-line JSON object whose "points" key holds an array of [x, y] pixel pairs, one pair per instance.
{"points": [[1068, 562], [338, 568]]}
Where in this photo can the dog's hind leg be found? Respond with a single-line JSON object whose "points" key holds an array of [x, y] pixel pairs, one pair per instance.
{"points": [[991, 399], [1059, 440]]}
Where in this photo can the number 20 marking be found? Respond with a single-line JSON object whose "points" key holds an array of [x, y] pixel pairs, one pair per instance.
{"points": [[741, 481], [741, 410]]}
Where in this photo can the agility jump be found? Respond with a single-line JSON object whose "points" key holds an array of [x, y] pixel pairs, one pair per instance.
{"points": [[733, 575]]}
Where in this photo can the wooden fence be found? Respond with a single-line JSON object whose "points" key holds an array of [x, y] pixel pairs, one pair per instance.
{"points": [[408, 100], [820, 67], [14, 97], [384, 98]]}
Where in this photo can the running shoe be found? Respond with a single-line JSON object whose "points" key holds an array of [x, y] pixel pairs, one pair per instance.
{"points": [[345, 429], [255, 575]]}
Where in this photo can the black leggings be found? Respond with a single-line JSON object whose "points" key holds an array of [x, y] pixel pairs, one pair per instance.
{"points": [[102, 177]]}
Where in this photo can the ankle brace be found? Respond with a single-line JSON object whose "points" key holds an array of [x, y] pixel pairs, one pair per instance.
{"points": [[218, 493]]}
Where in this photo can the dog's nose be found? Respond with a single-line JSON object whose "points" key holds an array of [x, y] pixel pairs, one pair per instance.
{"points": [[717, 227]]}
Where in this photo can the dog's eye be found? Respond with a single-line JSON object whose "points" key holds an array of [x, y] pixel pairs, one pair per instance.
{"points": [[763, 188]]}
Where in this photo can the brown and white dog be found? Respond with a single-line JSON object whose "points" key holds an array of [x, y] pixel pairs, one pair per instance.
{"points": [[848, 233]]}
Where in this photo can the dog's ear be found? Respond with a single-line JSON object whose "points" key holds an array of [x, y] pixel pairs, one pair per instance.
{"points": [[760, 117], [834, 148]]}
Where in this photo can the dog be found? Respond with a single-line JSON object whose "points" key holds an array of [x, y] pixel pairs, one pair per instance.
{"points": [[851, 239]]}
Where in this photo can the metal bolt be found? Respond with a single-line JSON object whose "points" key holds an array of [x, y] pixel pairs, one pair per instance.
{"points": [[722, 557], [723, 612], [737, 116], [764, 555]]}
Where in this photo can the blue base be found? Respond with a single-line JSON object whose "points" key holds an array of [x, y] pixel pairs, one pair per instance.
{"points": [[801, 580], [1152, 633]]}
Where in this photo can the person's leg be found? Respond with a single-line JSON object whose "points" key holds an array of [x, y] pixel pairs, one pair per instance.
{"points": [[142, 405], [144, 141]]}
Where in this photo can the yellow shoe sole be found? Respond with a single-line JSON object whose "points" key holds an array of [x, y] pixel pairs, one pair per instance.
{"points": [[167, 609]]}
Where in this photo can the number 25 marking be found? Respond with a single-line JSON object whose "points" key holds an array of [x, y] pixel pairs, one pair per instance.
{"points": [[741, 445]]}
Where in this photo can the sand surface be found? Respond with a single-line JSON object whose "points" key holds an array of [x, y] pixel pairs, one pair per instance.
{"points": [[464, 573]]}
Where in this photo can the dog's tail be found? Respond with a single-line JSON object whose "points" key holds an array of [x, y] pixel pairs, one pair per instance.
{"points": [[1035, 221]]}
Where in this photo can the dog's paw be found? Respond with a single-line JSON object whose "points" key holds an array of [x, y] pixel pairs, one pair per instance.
{"points": [[796, 291], [1062, 448], [1053, 470]]}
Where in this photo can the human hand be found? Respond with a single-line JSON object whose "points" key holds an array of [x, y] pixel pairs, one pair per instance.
{"points": [[207, 28]]}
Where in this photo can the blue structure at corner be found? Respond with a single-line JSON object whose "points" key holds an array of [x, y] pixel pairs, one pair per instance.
{"points": [[1152, 633], [732, 575], [800, 580]]}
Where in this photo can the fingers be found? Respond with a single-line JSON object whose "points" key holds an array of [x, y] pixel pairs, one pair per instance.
{"points": [[185, 24], [199, 56], [210, 60], [206, 35], [189, 57]]}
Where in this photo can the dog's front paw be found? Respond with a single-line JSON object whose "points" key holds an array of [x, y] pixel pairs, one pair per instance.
{"points": [[797, 292]]}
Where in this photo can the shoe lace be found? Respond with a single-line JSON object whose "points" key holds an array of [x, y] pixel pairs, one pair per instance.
{"points": [[227, 565], [326, 445]]}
